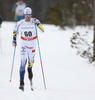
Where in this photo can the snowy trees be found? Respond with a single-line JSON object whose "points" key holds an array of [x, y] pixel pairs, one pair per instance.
{"points": [[84, 47], [71, 13]]}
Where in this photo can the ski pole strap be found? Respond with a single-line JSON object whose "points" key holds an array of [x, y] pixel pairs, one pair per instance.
{"points": [[41, 27]]}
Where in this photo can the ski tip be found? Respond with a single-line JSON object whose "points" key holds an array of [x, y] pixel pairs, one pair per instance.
{"points": [[9, 80]]}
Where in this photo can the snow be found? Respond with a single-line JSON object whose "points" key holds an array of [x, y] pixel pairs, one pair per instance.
{"points": [[67, 75]]}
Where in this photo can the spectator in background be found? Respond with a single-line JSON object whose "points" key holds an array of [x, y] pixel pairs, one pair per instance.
{"points": [[18, 8], [0, 20]]}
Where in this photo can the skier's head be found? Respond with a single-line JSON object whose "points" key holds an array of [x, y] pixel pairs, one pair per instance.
{"points": [[20, 2], [27, 13], [28, 10]]}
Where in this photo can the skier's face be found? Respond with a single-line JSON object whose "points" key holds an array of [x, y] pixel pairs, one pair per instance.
{"points": [[27, 17], [20, 2]]}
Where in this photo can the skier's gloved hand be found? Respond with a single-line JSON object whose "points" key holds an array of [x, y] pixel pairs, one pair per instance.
{"points": [[14, 43], [36, 21], [0, 25]]}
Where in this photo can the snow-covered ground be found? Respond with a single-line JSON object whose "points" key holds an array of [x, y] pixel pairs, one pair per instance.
{"points": [[67, 76]]}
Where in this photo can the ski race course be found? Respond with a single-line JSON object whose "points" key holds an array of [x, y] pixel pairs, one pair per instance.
{"points": [[67, 75]]}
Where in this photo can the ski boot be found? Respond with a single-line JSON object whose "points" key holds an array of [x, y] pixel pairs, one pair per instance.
{"points": [[21, 85]]}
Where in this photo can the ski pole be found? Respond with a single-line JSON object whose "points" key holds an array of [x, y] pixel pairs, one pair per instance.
{"points": [[12, 63], [40, 58]]}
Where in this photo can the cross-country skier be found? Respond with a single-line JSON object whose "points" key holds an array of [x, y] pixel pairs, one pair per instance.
{"points": [[26, 28], [0, 21], [18, 8]]}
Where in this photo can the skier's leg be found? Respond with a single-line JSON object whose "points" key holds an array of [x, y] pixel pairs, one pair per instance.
{"points": [[30, 65], [17, 18], [22, 69], [22, 66], [31, 54]]}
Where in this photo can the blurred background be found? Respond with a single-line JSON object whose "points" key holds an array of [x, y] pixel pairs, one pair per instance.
{"points": [[58, 12]]}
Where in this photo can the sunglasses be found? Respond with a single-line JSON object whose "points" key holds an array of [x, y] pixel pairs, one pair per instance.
{"points": [[27, 15]]}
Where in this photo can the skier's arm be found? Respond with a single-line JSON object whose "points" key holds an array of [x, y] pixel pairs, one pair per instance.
{"points": [[38, 23], [14, 7], [15, 33]]}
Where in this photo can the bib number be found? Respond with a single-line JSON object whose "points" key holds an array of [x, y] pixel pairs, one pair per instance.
{"points": [[20, 11], [28, 34]]}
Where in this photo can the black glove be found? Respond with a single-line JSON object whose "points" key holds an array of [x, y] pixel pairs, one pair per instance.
{"points": [[14, 43], [36, 21]]}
